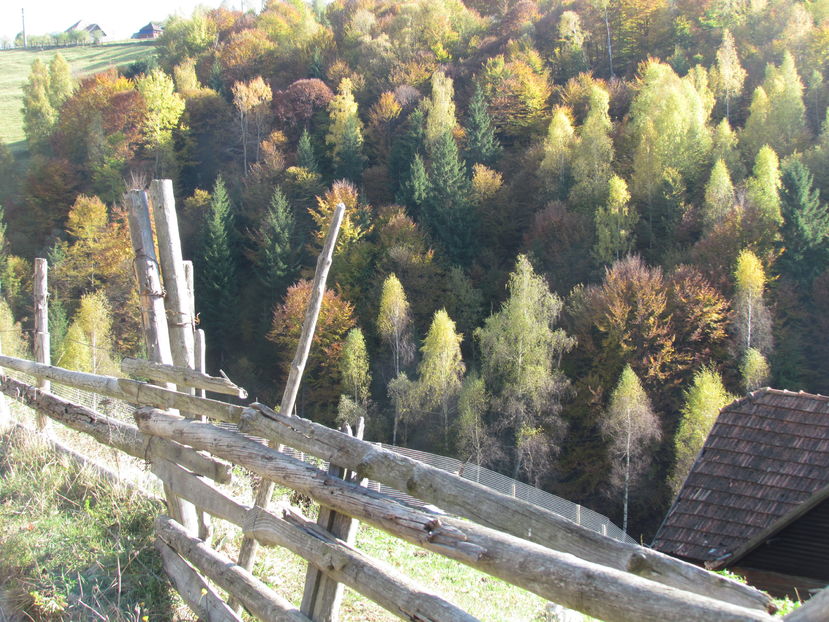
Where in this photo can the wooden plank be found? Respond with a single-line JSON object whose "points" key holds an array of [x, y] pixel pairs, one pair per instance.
{"points": [[260, 600], [322, 595], [288, 528], [127, 390], [177, 306], [490, 508], [816, 609], [42, 344], [114, 433], [182, 377], [264, 492], [596, 590], [199, 596]]}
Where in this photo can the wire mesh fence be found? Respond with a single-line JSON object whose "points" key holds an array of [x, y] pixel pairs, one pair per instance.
{"points": [[506, 485]]}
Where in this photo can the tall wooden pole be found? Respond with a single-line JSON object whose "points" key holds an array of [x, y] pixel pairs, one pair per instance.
{"points": [[154, 316], [178, 304], [247, 552], [42, 341]]}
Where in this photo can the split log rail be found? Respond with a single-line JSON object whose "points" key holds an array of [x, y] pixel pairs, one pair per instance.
{"points": [[505, 537]]}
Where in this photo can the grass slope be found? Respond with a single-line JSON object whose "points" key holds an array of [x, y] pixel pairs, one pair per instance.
{"points": [[85, 60]]}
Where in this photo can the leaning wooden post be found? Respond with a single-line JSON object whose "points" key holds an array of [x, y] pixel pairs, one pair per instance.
{"points": [[247, 552], [323, 595], [153, 315], [41, 337]]}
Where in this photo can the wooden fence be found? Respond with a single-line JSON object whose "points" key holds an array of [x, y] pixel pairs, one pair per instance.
{"points": [[175, 432]]}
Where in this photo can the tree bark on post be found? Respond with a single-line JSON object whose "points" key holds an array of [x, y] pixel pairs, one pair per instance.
{"points": [[323, 595], [153, 315], [42, 341], [247, 552]]}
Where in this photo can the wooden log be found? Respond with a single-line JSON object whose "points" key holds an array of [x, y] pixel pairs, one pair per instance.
{"points": [[596, 590], [260, 600], [127, 390], [153, 314], [247, 552], [287, 528], [182, 377], [42, 343], [179, 315], [816, 609], [199, 596], [114, 433], [322, 595], [490, 508]]}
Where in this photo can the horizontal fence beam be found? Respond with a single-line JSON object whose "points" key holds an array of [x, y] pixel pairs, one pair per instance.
{"points": [[491, 508], [182, 377], [113, 433], [127, 390], [260, 600], [383, 584], [599, 591]]}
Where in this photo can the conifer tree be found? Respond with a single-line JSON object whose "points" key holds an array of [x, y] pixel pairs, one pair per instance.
{"points": [[345, 134], [406, 146], [216, 272], [614, 224], [447, 210], [441, 370], [520, 349], [719, 196], [631, 426], [38, 113], [61, 84], [276, 252], [414, 191], [482, 146], [305, 156], [703, 401], [730, 74], [805, 228]]}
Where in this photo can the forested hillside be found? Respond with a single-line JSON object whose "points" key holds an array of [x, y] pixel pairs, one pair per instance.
{"points": [[574, 230]]}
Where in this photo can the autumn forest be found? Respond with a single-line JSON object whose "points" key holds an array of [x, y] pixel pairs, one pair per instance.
{"points": [[574, 229]]}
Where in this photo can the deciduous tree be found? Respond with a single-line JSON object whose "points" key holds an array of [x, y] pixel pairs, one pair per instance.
{"points": [[631, 426], [614, 224], [345, 134], [730, 73], [164, 108], [252, 100]]}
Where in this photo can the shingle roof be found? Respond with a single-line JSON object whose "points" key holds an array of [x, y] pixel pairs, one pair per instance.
{"points": [[766, 454]]}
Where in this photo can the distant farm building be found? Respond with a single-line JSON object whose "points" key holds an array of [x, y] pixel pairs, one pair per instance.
{"points": [[150, 31], [757, 498], [96, 33]]}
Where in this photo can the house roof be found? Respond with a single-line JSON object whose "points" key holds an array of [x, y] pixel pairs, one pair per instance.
{"points": [[766, 455], [82, 25], [151, 27]]}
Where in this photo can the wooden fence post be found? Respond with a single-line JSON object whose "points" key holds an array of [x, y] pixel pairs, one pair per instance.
{"points": [[153, 315], [247, 552], [42, 345], [5, 413], [322, 596]]}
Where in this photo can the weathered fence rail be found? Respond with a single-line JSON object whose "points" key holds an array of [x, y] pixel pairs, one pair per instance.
{"points": [[496, 533]]}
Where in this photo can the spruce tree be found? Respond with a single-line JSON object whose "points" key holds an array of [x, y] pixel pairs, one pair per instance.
{"points": [[404, 148], [805, 228], [447, 210], [415, 189], [305, 156], [275, 255], [216, 272], [482, 145]]}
